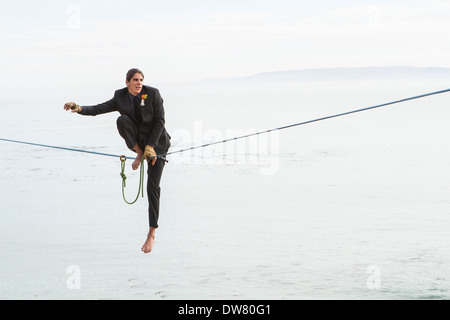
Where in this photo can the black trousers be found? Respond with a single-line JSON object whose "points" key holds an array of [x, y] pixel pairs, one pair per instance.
{"points": [[130, 133]]}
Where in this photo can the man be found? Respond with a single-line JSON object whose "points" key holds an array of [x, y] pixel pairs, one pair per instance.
{"points": [[141, 124]]}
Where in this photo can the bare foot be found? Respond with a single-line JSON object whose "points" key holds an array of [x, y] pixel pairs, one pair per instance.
{"points": [[148, 245], [137, 161]]}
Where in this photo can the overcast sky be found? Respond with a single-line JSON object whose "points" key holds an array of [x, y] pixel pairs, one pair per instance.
{"points": [[89, 42]]}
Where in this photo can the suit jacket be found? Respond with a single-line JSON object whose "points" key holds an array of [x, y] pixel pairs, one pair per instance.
{"points": [[152, 130]]}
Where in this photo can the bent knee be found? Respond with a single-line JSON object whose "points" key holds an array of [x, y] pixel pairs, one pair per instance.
{"points": [[123, 120]]}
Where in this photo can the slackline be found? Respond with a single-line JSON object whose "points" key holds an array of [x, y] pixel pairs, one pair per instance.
{"points": [[123, 158]]}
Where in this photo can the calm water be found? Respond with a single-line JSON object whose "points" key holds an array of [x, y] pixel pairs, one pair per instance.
{"points": [[350, 208]]}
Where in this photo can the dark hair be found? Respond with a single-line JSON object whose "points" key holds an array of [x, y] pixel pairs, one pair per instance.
{"points": [[132, 72]]}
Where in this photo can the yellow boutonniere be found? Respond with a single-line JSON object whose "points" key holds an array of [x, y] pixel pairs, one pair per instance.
{"points": [[143, 98]]}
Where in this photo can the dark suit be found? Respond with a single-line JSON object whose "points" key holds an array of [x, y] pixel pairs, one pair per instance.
{"points": [[151, 129], [143, 125]]}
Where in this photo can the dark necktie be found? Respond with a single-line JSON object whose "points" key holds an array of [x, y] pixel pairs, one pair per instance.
{"points": [[137, 109]]}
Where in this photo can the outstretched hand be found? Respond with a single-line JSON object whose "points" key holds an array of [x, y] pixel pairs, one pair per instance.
{"points": [[72, 106]]}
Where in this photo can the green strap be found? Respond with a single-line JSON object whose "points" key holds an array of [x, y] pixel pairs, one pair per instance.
{"points": [[124, 178]]}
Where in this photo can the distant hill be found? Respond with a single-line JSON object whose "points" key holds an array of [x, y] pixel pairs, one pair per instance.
{"points": [[342, 74]]}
